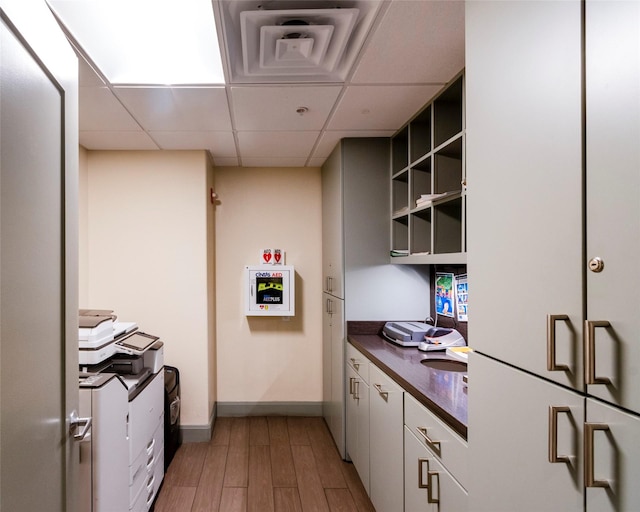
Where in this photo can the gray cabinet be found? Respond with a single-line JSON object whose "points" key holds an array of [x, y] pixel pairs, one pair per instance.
{"points": [[358, 278], [553, 166]]}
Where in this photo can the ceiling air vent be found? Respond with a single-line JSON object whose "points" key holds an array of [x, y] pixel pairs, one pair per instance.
{"points": [[308, 42], [278, 41]]}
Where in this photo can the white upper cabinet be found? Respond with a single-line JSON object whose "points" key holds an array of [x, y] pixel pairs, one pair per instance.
{"points": [[613, 198], [525, 182]]}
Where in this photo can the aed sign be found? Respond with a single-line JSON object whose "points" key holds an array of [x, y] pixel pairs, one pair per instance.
{"points": [[270, 291]]}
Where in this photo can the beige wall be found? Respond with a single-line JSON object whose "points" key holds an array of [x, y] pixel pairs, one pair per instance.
{"points": [[269, 359], [149, 256], [146, 229]]}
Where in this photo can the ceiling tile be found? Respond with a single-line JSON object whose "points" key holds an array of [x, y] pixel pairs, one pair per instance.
{"points": [[116, 140], [273, 162], [276, 144], [274, 108], [101, 110], [225, 162], [220, 144], [416, 42], [177, 108], [380, 107], [329, 139], [316, 162]]}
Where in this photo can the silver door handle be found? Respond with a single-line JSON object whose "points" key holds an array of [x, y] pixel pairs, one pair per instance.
{"points": [[590, 351], [434, 445], [552, 366], [383, 394], [589, 476], [553, 433], [75, 423]]}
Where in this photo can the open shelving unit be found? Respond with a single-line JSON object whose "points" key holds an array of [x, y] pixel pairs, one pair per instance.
{"points": [[428, 195]]}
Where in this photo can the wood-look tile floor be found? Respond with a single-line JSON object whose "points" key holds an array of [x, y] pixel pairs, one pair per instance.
{"points": [[263, 464]]}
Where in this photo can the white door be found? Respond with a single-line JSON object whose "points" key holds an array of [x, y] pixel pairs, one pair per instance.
{"points": [[613, 197], [512, 435], [38, 288], [524, 177]]}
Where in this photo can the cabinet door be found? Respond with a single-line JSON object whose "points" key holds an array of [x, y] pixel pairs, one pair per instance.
{"points": [[524, 179], [386, 442], [614, 435], [357, 427], [332, 227], [333, 369], [613, 195], [428, 486], [510, 441]]}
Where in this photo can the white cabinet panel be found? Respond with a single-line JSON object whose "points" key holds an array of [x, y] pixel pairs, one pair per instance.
{"points": [[524, 178], [332, 236], [333, 368], [510, 439], [357, 424], [616, 458], [429, 487], [613, 194], [386, 442]]}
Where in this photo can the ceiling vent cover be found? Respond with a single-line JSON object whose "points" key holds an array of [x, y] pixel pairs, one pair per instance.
{"points": [[294, 41], [298, 42]]}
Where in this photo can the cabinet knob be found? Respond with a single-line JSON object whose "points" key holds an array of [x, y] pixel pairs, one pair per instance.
{"points": [[596, 264]]}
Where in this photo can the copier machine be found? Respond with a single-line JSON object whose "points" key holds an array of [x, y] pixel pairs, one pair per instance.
{"points": [[122, 399]]}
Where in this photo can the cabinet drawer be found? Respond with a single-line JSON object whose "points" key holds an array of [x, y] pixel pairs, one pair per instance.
{"points": [[426, 478], [146, 412], [358, 362], [446, 445], [145, 462]]}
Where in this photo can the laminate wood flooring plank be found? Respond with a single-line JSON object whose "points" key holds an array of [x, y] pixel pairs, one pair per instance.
{"points": [[283, 470], [234, 499], [358, 492], [310, 487], [186, 466], [278, 430], [326, 454], [175, 499], [209, 493], [287, 499], [340, 500], [297, 427], [258, 431], [237, 471], [221, 431], [260, 492]]}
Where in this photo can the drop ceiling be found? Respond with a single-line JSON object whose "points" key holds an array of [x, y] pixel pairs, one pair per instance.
{"points": [[296, 82]]}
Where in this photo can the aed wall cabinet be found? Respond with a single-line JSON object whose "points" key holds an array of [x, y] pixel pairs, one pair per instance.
{"points": [[270, 290]]}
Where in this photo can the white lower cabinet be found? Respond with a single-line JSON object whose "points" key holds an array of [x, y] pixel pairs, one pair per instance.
{"points": [[386, 442], [428, 486], [357, 405]]}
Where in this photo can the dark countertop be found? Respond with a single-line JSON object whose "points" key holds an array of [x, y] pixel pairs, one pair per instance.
{"points": [[441, 392]]}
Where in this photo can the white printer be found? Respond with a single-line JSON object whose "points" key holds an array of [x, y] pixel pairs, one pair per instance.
{"points": [[422, 335], [101, 336]]}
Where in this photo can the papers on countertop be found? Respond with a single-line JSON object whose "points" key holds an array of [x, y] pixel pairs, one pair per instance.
{"points": [[459, 353]]}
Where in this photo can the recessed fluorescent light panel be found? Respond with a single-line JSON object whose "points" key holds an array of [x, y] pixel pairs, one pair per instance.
{"points": [[146, 42]]}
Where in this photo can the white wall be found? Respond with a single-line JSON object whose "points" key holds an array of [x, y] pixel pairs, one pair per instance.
{"points": [[269, 359], [149, 256]]}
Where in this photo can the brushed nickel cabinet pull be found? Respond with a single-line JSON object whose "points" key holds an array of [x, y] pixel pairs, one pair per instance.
{"points": [[552, 366], [553, 434], [421, 484], [330, 306], [354, 363], [434, 445], [383, 394], [356, 389], [430, 488], [590, 351], [329, 284], [351, 379], [589, 477]]}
